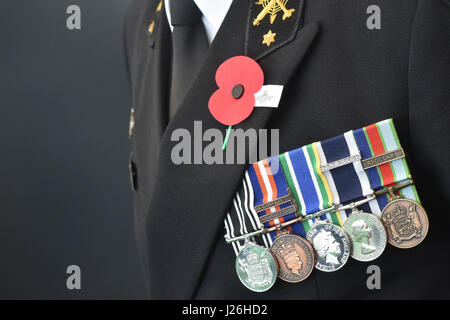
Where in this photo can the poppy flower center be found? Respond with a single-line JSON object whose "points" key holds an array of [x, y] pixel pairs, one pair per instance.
{"points": [[237, 91]]}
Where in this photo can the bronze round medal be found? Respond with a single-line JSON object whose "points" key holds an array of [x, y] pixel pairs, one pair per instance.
{"points": [[406, 223], [295, 257]]}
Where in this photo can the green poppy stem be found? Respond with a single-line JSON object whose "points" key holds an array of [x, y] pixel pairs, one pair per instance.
{"points": [[227, 136]]}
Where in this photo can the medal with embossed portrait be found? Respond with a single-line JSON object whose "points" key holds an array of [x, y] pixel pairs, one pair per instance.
{"points": [[256, 267], [367, 234], [331, 244], [295, 257], [406, 223]]}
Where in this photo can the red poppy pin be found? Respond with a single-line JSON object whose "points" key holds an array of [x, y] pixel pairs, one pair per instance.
{"points": [[238, 79]]}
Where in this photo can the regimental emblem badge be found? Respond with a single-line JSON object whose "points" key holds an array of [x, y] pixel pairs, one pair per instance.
{"points": [[272, 7], [271, 24], [406, 223], [256, 267]]}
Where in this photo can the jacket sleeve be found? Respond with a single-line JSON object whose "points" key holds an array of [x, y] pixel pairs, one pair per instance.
{"points": [[429, 109]]}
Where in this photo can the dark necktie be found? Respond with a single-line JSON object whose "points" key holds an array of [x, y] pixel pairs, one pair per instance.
{"points": [[189, 45]]}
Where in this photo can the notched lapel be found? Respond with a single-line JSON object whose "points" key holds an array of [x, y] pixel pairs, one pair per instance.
{"points": [[281, 64], [151, 63], [189, 201]]}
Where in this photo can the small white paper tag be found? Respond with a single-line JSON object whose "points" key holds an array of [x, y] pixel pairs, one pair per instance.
{"points": [[269, 96]]}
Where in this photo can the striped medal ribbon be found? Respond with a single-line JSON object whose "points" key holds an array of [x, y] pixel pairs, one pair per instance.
{"points": [[384, 160], [242, 219], [272, 200], [303, 171], [256, 266], [310, 188], [341, 163], [342, 168], [308, 184], [275, 204]]}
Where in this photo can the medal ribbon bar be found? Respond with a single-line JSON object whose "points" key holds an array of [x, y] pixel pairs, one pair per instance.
{"points": [[278, 214], [330, 193], [319, 214], [384, 159], [273, 203], [341, 162]]}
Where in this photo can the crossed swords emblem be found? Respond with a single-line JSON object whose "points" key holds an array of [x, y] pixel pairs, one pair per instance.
{"points": [[272, 7]]}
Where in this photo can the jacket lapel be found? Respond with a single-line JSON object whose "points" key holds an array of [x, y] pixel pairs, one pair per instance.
{"points": [[190, 200], [156, 72]]}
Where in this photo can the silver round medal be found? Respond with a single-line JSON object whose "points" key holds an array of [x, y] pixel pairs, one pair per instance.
{"points": [[368, 235], [331, 244], [256, 267]]}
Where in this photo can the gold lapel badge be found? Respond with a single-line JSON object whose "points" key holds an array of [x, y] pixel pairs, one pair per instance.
{"points": [[272, 7], [151, 27], [158, 8], [269, 37]]}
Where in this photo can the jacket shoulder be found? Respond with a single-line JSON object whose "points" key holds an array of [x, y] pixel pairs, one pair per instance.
{"points": [[139, 13]]}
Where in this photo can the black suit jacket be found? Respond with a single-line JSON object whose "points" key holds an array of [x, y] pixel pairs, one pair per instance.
{"points": [[338, 75]]}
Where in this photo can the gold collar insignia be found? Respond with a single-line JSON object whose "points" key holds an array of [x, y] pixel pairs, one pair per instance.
{"points": [[272, 7]]}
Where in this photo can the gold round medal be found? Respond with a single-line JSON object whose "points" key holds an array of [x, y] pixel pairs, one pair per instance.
{"points": [[295, 256], [406, 223]]}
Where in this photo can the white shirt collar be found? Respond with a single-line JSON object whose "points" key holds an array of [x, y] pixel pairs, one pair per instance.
{"points": [[214, 12]]}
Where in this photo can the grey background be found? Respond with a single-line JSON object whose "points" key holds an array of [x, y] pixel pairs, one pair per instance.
{"points": [[64, 188]]}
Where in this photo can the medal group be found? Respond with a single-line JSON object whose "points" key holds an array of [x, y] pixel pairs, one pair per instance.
{"points": [[319, 205]]}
